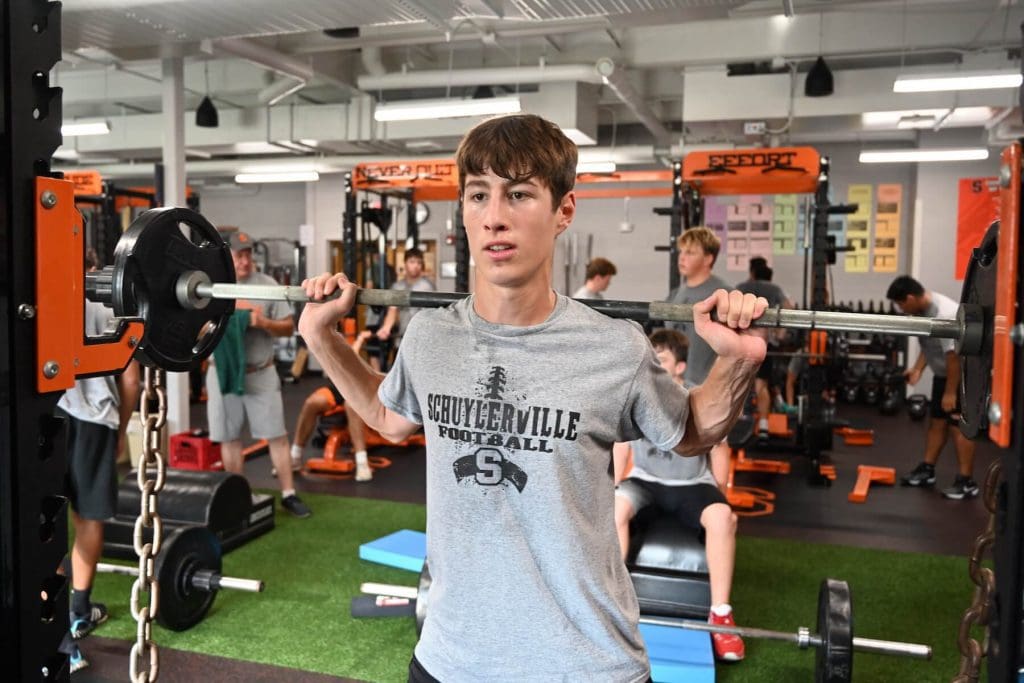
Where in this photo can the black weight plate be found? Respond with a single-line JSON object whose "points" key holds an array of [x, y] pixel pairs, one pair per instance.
{"points": [[976, 370], [181, 605], [834, 659], [148, 261], [422, 595]]}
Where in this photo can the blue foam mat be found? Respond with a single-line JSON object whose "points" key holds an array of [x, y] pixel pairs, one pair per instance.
{"points": [[405, 549], [678, 654]]}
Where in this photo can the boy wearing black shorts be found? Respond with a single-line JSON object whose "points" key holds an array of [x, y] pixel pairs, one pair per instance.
{"points": [[686, 489]]}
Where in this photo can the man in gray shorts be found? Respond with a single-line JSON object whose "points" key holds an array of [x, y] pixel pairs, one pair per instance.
{"points": [[685, 489], [97, 410], [521, 393], [261, 400]]}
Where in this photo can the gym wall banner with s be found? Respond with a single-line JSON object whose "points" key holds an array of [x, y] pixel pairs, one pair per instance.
{"points": [[977, 207]]}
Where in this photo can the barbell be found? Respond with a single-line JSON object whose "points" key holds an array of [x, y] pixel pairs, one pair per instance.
{"points": [[833, 641], [173, 270], [187, 571]]}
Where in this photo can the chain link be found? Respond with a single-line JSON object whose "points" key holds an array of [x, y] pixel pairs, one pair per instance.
{"points": [[153, 394], [979, 611]]}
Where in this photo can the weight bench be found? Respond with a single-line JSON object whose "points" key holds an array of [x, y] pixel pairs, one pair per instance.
{"points": [[332, 434], [669, 568]]}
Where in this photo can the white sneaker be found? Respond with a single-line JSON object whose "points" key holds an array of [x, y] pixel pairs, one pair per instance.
{"points": [[364, 472]]}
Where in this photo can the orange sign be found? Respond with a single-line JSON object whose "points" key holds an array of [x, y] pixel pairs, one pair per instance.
{"points": [[85, 182], [977, 207], [428, 179], [771, 170]]}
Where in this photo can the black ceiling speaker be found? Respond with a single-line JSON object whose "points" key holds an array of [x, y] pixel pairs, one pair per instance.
{"points": [[206, 114], [819, 80]]}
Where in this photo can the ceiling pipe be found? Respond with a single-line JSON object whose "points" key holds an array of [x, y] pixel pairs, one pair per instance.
{"points": [[272, 59], [442, 78], [616, 80], [279, 89], [283, 64], [372, 62]]}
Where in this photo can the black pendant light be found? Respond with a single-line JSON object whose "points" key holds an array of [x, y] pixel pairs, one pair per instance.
{"points": [[206, 113], [819, 80]]}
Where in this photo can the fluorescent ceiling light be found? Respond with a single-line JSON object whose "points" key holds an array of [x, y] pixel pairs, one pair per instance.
{"points": [[915, 121], [964, 80], [417, 110], [595, 167], [922, 155], [70, 130], [579, 137], [278, 177], [915, 118]]}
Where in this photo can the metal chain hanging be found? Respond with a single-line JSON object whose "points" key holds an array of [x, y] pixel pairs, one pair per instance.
{"points": [[153, 425], [978, 613]]}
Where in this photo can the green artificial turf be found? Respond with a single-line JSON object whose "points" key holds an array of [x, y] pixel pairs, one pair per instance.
{"points": [[312, 569]]}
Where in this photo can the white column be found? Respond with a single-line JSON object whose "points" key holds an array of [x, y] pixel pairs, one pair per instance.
{"points": [[173, 94]]}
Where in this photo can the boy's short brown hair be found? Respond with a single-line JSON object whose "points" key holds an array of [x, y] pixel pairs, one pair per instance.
{"points": [[520, 147], [600, 266], [413, 252], [703, 237], [664, 339]]}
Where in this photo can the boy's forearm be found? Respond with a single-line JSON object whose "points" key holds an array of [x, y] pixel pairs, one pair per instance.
{"points": [[716, 404]]}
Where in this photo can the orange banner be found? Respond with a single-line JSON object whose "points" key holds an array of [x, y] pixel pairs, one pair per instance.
{"points": [[428, 179], [772, 170], [978, 206], [85, 182]]}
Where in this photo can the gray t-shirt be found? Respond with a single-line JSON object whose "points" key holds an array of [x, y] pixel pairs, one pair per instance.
{"points": [[667, 467], [259, 344], [584, 293], [700, 357], [933, 348], [94, 399], [769, 290], [407, 313], [528, 584]]}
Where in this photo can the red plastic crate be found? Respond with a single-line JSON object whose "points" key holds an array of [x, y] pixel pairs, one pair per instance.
{"points": [[194, 451]]}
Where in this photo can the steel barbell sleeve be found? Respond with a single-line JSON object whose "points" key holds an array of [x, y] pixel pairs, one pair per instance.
{"points": [[804, 638], [203, 578]]}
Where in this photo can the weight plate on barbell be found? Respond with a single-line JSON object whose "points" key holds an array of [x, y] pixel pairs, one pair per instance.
{"points": [[834, 659], [182, 605], [978, 299], [156, 250]]}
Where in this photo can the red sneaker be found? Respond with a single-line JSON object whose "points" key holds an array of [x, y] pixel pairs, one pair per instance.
{"points": [[728, 647]]}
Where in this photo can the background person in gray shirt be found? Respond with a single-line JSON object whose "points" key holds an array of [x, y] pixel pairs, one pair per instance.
{"points": [[698, 251], [598, 277], [685, 489], [760, 284], [521, 393], [415, 281], [941, 358]]}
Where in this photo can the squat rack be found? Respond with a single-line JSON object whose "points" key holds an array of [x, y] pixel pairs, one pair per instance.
{"points": [[783, 170]]}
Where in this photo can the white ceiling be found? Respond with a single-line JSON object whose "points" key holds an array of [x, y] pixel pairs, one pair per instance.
{"points": [[672, 56]]}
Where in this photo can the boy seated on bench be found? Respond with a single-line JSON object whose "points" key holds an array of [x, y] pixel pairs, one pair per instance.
{"points": [[320, 403], [686, 489]]}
